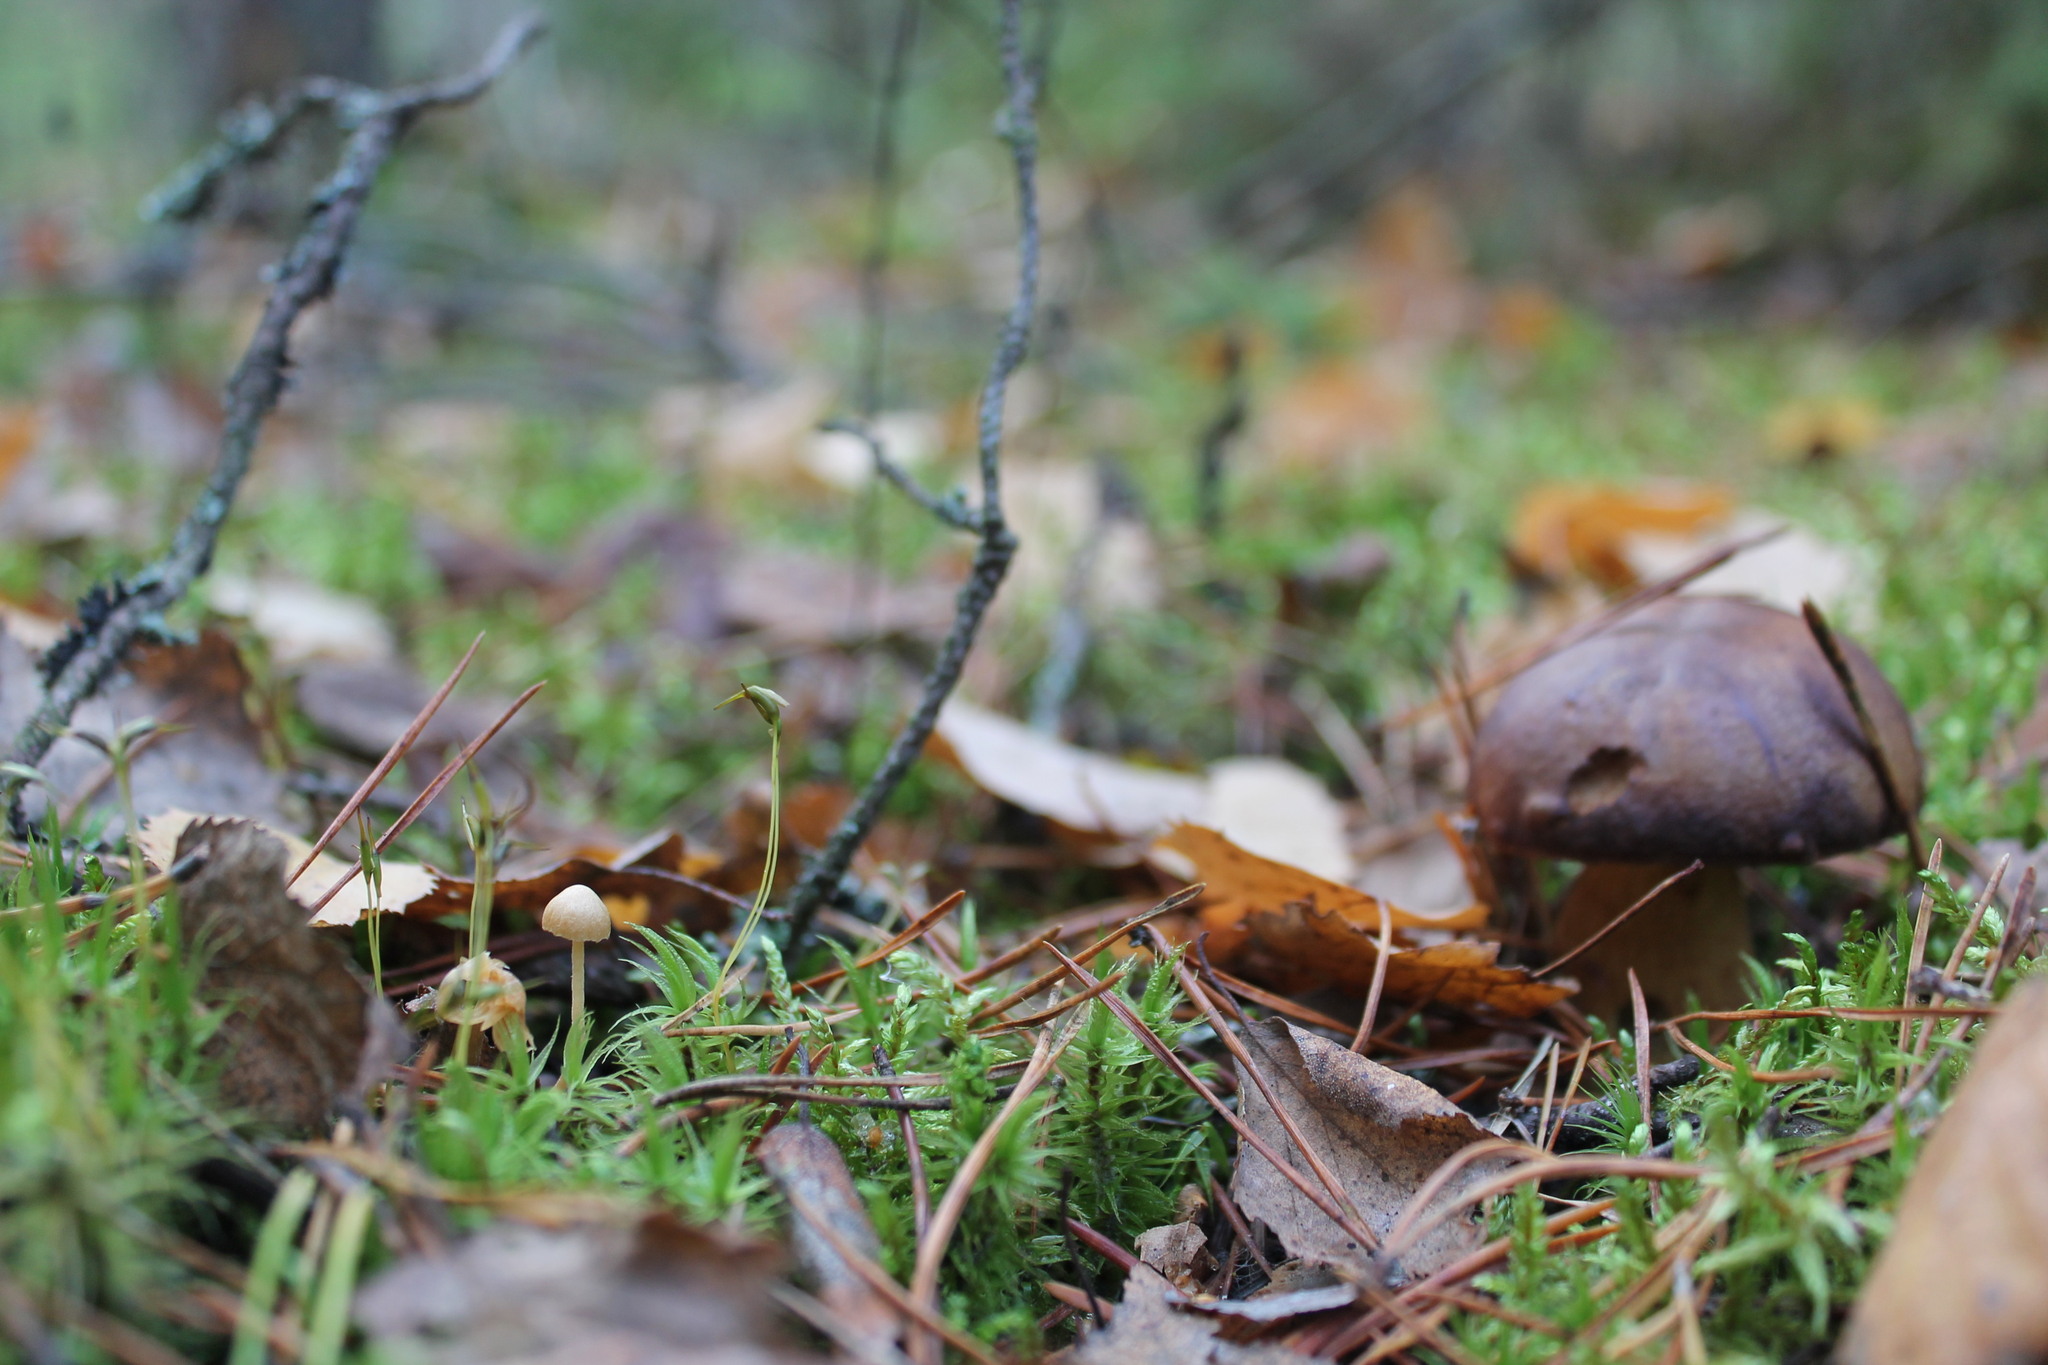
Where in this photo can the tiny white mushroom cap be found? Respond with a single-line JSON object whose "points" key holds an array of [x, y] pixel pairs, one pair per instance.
{"points": [[482, 992], [577, 913]]}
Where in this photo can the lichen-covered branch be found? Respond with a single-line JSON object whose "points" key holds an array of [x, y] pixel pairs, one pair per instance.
{"points": [[998, 544], [114, 616]]}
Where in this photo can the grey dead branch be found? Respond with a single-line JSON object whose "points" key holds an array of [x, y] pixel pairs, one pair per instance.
{"points": [[1381, 1133], [303, 1035]]}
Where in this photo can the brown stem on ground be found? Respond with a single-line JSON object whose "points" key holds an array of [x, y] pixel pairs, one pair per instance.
{"points": [[114, 616], [998, 544]]}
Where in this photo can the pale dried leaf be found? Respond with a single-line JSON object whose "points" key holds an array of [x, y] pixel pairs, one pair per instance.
{"points": [[1180, 1252], [403, 883], [629, 1290], [301, 622], [1964, 1276], [304, 1033], [1149, 1327], [1382, 1134], [1086, 792], [1271, 808]]}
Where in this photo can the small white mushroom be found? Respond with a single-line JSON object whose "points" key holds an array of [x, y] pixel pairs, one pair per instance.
{"points": [[578, 914], [482, 992]]}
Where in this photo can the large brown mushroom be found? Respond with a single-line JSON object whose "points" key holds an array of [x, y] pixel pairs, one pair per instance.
{"points": [[1697, 727]]}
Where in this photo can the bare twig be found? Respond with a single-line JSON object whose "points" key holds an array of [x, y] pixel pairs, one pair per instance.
{"points": [[950, 508], [1361, 1040], [1217, 437], [115, 616], [1659, 889], [874, 266], [392, 755], [998, 544], [1880, 759]]}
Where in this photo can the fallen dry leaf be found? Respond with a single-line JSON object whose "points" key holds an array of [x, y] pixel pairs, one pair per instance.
{"points": [[807, 1167], [1294, 931], [631, 1289], [1688, 944], [1084, 792], [21, 426], [1342, 409], [1382, 1134], [208, 756], [1261, 803], [641, 885], [1066, 516], [1423, 871], [403, 885], [363, 709], [1180, 1252], [301, 622], [304, 1034], [1149, 1327], [798, 598], [1963, 1278], [1793, 565], [1565, 529], [1275, 810], [1241, 882]]}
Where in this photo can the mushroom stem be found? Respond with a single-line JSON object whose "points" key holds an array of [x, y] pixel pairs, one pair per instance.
{"points": [[575, 982]]}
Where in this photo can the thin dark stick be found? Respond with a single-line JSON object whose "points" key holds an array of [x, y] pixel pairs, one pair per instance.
{"points": [[1623, 918], [874, 267], [1642, 1022], [998, 545], [1880, 760], [1214, 446], [1235, 1216], [385, 764], [920, 1186], [1385, 949], [433, 789], [114, 617]]}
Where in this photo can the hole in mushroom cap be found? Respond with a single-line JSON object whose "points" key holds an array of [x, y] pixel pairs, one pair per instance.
{"points": [[1602, 778]]}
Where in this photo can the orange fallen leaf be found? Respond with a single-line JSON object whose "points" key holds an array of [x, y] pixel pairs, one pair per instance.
{"points": [[1245, 881], [1566, 529], [1523, 318], [21, 424], [1295, 931], [1340, 408]]}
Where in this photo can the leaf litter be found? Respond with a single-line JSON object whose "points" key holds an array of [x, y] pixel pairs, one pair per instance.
{"points": [[810, 1095]]}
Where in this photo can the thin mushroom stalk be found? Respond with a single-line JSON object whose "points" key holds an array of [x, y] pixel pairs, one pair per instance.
{"points": [[579, 915]]}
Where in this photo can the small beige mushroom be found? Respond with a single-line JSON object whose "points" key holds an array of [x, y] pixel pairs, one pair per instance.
{"points": [[578, 914], [482, 992]]}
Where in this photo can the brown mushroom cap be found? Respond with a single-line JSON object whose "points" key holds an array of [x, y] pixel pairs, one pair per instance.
{"points": [[1698, 727]]}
